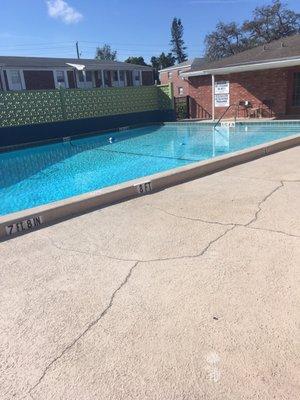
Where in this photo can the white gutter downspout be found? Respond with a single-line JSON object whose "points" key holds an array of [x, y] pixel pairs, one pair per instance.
{"points": [[213, 96]]}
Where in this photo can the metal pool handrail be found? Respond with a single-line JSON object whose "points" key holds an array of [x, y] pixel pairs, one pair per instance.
{"points": [[230, 105]]}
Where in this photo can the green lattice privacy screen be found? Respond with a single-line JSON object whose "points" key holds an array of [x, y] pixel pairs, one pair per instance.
{"points": [[40, 106]]}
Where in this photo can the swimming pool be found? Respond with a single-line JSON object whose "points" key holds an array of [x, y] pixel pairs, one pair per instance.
{"points": [[43, 174]]}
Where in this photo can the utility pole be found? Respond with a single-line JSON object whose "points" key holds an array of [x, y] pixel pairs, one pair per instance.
{"points": [[77, 50]]}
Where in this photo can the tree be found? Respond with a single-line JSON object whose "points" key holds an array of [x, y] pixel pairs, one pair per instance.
{"points": [[136, 60], [160, 62], [226, 40], [271, 22], [163, 61], [177, 42], [105, 53]]}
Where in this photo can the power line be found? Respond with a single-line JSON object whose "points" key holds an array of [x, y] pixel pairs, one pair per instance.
{"points": [[65, 49], [37, 44], [63, 44]]}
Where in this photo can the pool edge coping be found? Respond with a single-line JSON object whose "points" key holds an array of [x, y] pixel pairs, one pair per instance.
{"points": [[58, 211]]}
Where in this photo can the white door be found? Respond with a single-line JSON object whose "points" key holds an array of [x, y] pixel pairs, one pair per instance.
{"points": [[89, 84], [61, 79], [122, 78], [80, 79], [136, 78], [85, 79], [14, 79], [115, 78]]}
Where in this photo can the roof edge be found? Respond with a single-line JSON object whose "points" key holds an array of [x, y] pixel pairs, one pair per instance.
{"points": [[41, 62], [280, 63], [175, 67]]}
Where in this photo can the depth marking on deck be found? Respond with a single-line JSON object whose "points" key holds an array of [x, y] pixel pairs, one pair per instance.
{"points": [[144, 188], [25, 225]]}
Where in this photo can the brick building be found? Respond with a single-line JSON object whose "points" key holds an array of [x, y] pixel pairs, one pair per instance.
{"points": [[173, 75], [260, 82], [34, 73]]}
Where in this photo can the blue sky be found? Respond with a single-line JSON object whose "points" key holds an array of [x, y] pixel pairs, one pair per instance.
{"points": [[132, 27]]}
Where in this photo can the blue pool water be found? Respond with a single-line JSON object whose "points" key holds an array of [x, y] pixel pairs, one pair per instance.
{"points": [[38, 175]]}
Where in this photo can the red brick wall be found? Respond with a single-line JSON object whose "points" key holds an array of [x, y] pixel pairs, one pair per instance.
{"points": [[177, 82], [200, 97], [39, 80], [253, 86]]}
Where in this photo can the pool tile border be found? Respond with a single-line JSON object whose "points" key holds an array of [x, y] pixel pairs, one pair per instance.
{"points": [[64, 209], [242, 122], [75, 137]]}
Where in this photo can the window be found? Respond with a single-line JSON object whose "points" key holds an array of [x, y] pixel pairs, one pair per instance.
{"points": [[122, 76], [129, 78], [60, 79], [15, 77], [170, 74], [99, 79], [115, 76], [296, 92], [179, 72], [136, 77], [180, 91], [60, 76], [88, 76], [80, 76], [107, 81]]}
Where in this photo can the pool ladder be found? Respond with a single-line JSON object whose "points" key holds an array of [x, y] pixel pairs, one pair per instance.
{"points": [[224, 113]]}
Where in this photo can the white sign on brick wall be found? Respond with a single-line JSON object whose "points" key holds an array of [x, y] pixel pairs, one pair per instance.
{"points": [[222, 97], [222, 100], [222, 87]]}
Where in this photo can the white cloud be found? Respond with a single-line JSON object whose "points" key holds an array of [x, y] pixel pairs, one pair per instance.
{"points": [[60, 9]]}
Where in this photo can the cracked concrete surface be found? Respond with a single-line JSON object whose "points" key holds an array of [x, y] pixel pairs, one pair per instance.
{"points": [[189, 293]]}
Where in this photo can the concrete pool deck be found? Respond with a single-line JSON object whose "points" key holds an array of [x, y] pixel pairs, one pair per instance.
{"points": [[188, 293]]}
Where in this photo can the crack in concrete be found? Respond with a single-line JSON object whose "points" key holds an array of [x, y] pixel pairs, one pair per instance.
{"points": [[90, 326], [247, 225], [232, 226], [149, 259], [193, 219], [104, 312], [271, 230], [254, 219], [228, 224], [92, 253]]}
